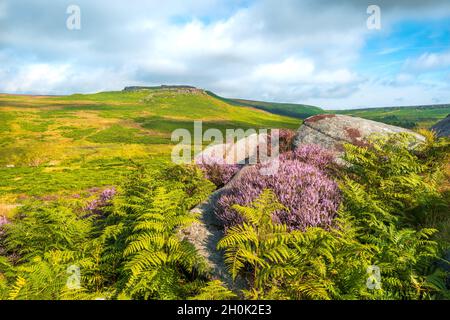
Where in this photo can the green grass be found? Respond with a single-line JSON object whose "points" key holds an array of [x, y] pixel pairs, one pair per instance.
{"points": [[35, 126], [119, 134], [76, 133], [5, 118], [40, 181]]}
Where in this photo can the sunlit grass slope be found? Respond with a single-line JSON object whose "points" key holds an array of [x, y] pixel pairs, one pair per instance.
{"points": [[67, 144], [295, 110]]}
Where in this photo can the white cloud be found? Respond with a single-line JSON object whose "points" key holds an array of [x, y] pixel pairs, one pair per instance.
{"points": [[429, 61], [59, 78], [340, 76], [29, 77], [290, 70], [404, 78]]}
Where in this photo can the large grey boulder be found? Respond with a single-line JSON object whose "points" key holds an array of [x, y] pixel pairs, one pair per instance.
{"points": [[442, 128], [331, 131]]}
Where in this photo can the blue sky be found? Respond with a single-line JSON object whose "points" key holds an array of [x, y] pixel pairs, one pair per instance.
{"points": [[315, 52], [406, 39]]}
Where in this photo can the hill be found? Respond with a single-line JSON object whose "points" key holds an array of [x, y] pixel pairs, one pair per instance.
{"points": [[411, 117], [408, 116], [300, 111], [52, 144]]}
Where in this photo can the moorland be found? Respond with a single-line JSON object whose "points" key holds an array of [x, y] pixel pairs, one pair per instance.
{"points": [[91, 205]]}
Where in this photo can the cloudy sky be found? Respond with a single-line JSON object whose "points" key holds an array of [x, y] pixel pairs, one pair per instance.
{"points": [[306, 51]]}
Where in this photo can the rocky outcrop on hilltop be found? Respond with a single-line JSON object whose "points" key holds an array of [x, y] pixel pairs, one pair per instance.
{"points": [[331, 131], [171, 88], [442, 128]]}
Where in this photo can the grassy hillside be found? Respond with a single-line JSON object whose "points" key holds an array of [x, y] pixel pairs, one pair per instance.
{"points": [[301, 111], [68, 144], [412, 117], [408, 117]]}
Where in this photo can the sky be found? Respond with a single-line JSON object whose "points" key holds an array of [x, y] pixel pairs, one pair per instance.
{"points": [[317, 52]]}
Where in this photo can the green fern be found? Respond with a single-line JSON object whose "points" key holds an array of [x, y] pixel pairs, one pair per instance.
{"points": [[390, 188], [214, 290], [258, 245], [141, 241]]}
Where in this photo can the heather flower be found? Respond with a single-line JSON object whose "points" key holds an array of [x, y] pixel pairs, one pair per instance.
{"points": [[104, 199], [312, 154], [107, 195], [217, 170], [3, 220], [310, 196]]}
